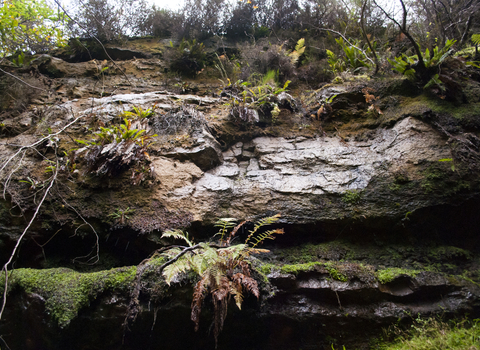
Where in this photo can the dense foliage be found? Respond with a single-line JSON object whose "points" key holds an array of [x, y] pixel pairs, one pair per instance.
{"points": [[28, 25]]}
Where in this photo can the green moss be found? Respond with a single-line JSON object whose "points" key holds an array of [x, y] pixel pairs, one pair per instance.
{"points": [[265, 269], [440, 178], [420, 104], [297, 268], [388, 275], [334, 272], [448, 252], [332, 268], [66, 291], [351, 196]]}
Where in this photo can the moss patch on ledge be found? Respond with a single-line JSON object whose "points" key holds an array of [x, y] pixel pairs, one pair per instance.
{"points": [[340, 271], [388, 275], [66, 291]]}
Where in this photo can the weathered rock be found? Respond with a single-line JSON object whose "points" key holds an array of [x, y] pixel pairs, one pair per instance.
{"points": [[206, 153], [287, 175], [351, 173], [58, 68], [307, 310]]}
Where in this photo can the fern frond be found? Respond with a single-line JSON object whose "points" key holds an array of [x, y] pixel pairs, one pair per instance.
{"points": [[248, 283], [220, 305], [260, 223], [258, 251], [300, 47], [266, 235], [224, 224], [171, 253], [171, 271], [476, 39], [236, 291], [178, 234], [199, 294]]}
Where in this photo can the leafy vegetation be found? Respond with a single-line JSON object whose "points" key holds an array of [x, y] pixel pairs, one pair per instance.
{"points": [[114, 148], [28, 26], [222, 270], [435, 334], [188, 58]]}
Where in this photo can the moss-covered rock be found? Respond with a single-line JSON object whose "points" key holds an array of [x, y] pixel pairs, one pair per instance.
{"points": [[65, 291]]}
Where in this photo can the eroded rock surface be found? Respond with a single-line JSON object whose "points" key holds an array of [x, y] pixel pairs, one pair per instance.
{"points": [[408, 174]]}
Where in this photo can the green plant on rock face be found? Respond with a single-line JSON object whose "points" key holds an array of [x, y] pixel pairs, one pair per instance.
{"points": [[406, 65], [115, 148], [138, 113], [248, 100], [121, 215], [354, 58], [228, 69], [352, 196], [223, 270], [336, 64], [189, 57]]}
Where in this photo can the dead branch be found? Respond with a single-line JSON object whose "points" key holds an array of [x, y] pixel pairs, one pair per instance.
{"points": [[17, 245]]}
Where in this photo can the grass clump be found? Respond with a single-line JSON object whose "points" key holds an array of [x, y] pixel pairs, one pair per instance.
{"points": [[388, 275], [434, 334]]}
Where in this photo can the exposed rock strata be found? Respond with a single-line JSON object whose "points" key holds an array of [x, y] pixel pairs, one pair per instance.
{"points": [[352, 174]]}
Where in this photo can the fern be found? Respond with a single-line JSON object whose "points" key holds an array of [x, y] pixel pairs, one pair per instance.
{"points": [[224, 224], [299, 50], [223, 272], [266, 235], [260, 223], [172, 271], [178, 234], [476, 39]]}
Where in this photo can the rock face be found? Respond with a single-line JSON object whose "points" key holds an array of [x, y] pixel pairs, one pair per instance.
{"points": [[309, 310], [287, 175], [400, 182]]}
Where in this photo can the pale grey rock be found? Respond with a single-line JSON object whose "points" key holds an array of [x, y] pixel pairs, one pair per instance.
{"points": [[287, 176]]}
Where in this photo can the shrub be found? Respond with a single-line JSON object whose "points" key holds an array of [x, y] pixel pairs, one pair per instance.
{"points": [[261, 60], [27, 25], [188, 58]]}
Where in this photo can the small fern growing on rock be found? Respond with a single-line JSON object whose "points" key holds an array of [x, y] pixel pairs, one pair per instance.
{"points": [[222, 269]]}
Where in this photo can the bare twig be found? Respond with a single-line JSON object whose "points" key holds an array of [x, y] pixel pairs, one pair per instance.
{"points": [[349, 43], [17, 245], [362, 24], [37, 143], [22, 81]]}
